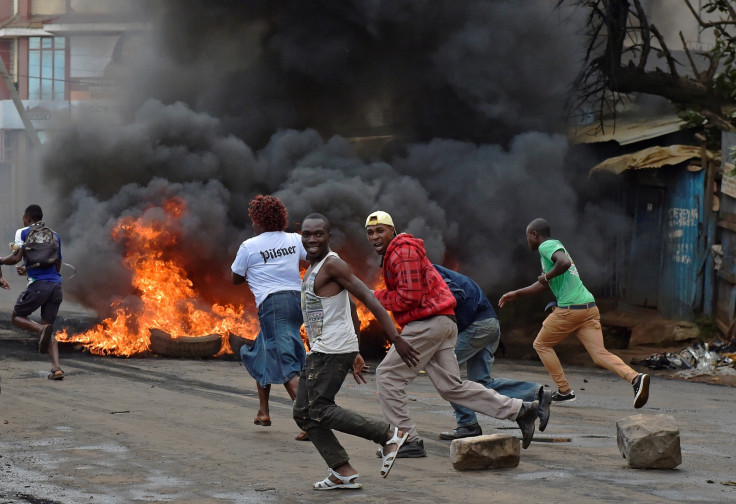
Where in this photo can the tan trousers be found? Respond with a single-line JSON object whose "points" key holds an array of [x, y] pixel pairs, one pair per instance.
{"points": [[586, 325], [435, 339]]}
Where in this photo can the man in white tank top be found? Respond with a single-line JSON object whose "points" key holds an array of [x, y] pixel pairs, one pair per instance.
{"points": [[331, 321]]}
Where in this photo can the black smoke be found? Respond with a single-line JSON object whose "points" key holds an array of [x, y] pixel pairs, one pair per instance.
{"points": [[225, 100]]}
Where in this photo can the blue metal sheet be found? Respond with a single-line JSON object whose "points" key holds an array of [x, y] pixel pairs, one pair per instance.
{"points": [[644, 262], [683, 234]]}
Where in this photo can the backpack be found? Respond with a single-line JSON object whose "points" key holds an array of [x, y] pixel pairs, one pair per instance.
{"points": [[41, 248]]}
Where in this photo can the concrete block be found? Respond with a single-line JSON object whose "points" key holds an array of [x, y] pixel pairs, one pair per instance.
{"points": [[653, 333], [649, 441], [495, 451], [685, 331]]}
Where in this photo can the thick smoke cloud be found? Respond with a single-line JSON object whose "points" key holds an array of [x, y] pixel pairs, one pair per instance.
{"points": [[231, 99], [479, 71]]}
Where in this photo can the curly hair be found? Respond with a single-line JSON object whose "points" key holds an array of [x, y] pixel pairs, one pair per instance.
{"points": [[268, 212]]}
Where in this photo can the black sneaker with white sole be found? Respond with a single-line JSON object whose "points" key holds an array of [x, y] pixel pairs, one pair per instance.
{"points": [[641, 390], [558, 398]]}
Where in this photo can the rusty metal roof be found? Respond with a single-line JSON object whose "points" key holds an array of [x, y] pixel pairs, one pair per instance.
{"points": [[653, 157], [628, 130]]}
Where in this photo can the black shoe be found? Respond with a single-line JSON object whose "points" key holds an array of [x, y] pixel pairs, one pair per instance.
{"points": [[410, 449], [526, 418], [563, 398], [463, 432], [641, 390], [545, 400]]}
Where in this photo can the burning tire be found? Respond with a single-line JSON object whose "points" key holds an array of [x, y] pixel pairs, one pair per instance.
{"points": [[187, 347], [237, 342]]}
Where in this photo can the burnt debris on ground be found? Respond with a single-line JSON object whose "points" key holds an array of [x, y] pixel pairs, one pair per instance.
{"points": [[701, 358]]}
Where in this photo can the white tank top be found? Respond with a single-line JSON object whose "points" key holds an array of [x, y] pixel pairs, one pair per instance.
{"points": [[327, 320]]}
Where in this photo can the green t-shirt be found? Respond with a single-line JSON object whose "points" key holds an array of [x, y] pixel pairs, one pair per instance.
{"points": [[567, 288]]}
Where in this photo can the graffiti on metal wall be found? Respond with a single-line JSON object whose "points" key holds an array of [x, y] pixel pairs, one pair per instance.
{"points": [[682, 217], [677, 219]]}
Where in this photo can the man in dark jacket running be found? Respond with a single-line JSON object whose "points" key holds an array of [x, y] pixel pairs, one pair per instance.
{"points": [[477, 340]]}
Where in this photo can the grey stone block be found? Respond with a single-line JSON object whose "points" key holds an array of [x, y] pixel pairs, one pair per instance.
{"points": [[495, 451], [649, 442]]}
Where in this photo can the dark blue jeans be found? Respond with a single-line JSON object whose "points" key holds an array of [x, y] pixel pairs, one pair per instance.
{"points": [[316, 413], [475, 346], [278, 353]]}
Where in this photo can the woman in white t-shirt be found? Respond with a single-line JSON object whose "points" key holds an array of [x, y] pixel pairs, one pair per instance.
{"points": [[269, 262]]}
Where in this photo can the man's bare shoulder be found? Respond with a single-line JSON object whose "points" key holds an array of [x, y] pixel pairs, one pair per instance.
{"points": [[334, 264]]}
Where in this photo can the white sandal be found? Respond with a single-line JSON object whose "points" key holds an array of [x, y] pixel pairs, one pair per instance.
{"points": [[346, 482], [388, 460]]}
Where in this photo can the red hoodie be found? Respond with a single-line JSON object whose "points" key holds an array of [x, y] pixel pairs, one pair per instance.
{"points": [[414, 290]]}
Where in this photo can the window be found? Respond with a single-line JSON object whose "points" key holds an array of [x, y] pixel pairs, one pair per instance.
{"points": [[7, 144], [46, 68]]}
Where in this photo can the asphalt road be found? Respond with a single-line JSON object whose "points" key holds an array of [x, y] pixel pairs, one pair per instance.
{"points": [[168, 430]]}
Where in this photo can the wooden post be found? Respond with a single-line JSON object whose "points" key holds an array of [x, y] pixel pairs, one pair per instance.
{"points": [[710, 219]]}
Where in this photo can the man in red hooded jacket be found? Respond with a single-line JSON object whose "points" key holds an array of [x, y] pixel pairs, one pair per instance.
{"points": [[423, 306]]}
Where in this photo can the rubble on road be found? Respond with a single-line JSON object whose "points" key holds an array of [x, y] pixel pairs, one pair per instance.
{"points": [[649, 441], [712, 358]]}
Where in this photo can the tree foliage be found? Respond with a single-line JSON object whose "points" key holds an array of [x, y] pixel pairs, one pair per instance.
{"points": [[627, 53]]}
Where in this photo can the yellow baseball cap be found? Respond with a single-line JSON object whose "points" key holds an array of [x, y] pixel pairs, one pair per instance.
{"points": [[379, 217]]}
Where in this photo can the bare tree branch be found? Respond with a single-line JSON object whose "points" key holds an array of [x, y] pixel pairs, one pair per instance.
{"points": [[665, 50], [621, 42], [693, 67]]}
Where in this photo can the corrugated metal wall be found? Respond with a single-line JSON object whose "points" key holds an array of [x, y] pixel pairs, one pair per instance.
{"points": [[726, 279], [644, 262], [668, 250], [684, 242]]}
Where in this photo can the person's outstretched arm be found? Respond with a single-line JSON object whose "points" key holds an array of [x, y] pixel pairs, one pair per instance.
{"points": [[534, 288], [13, 258], [343, 275], [561, 264]]}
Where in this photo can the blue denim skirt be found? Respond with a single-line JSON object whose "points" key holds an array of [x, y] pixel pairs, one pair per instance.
{"points": [[278, 353]]}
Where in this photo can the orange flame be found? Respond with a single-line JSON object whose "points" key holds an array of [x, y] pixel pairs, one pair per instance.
{"points": [[168, 299], [367, 320]]}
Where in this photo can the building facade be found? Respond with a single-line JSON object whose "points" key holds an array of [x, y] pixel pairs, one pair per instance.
{"points": [[58, 59]]}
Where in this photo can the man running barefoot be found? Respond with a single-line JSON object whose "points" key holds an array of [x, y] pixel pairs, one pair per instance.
{"points": [[478, 337]]}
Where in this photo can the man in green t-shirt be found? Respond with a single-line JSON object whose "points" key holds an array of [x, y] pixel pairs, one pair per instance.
{"points": [[575, 313]]}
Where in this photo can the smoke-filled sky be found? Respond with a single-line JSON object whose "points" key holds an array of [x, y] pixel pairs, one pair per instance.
{"points": [[230, 99]]}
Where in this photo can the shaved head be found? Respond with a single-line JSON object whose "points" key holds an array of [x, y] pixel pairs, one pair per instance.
{"points": [[541, 227], [318, 216]]}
